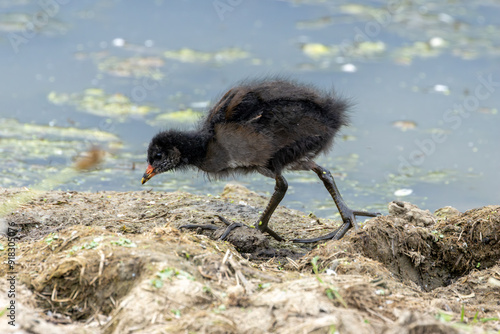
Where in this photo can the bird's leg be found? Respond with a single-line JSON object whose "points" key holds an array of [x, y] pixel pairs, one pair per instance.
{"points": [[279, 192], [348, 215]]}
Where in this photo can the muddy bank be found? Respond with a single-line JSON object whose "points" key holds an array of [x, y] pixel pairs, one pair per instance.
{"points": [[113, 262]]}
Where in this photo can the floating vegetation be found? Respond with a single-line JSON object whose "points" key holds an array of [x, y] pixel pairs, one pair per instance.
{"points": [[441, 176], [317, 23], [86, 162], [406, 54], [38, 149], [363, 50], [367, 49], [43, 154], [404, 125], [96, 101], [488, 111], [363, 11], [346, 163], [430, 29], [11, 128], [187, 55], [181, 116], [96, 56], [132, 67], [349, 138], [37, 22], [318, 50], [441, 26], [41, 142]]}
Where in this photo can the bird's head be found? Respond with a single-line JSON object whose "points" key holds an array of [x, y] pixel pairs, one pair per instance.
{"points": [[163, 155]]}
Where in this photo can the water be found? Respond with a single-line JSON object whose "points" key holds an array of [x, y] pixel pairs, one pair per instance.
{"points": [[450, 157]]}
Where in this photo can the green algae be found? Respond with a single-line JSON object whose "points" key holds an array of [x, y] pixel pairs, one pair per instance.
{"points": [[97, 102], [136, 67], [404, 125], [406, 54], [362, 50], [187, 55], [22, 22], [12, 128], [316, 23], [181, 116], [34, 152], [429, 30]]}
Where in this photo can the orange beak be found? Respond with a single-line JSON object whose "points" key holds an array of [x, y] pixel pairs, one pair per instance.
{"points": [[150, 172]]}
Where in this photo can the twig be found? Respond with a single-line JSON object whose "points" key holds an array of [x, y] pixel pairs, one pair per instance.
{"points": [[248, 287], [257, 273], [293, 263], [379, 315]]}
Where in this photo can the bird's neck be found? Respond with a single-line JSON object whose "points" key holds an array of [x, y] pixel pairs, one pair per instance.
{"points": [[193, 147]]}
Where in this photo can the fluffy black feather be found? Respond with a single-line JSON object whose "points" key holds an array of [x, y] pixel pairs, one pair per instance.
{"points": [[265, 125]]}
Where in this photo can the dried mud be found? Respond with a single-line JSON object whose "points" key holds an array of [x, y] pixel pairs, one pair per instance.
{"points": [[112, 262]]}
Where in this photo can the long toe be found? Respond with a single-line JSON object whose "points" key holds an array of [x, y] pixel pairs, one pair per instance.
{"points": [[349, 217], [200, 226], [349, 222], [328, 236], [272, 233], [213, 226], [366, 213], [229, 228]]}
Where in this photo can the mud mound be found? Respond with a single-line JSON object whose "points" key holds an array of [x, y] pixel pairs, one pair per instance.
{"points": [[78, 277], [421, 248], [117, 263]]}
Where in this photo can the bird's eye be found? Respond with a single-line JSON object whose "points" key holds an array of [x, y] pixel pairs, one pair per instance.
{"points": [[158, 156]]}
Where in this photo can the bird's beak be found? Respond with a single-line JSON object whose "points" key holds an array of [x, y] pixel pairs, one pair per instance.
{"points": [[150, 172]]}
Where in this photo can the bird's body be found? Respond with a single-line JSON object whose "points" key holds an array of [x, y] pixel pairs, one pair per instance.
{"points": [[264, 126]]}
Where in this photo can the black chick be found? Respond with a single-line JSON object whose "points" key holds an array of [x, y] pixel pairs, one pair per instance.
{"points": [[265, 126]]}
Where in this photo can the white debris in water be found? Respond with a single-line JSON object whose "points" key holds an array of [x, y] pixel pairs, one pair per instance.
{"points": [[351, 68], [442, 89], [403, 192], [446, 18], [200, 104], [436, 42], [118, 42]]}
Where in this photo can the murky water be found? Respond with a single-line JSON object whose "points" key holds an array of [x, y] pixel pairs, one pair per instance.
{"points": [[425, 79]]}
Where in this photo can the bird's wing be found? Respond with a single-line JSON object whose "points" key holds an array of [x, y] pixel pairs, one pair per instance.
{"points": [[238, 105], [244, 146]]}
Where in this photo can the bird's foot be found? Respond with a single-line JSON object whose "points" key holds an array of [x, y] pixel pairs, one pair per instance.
{"points": [[270, 232], [349, 218], [229, 228]]}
